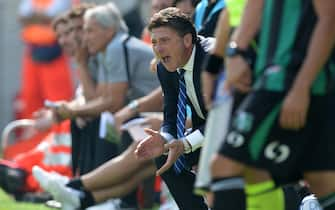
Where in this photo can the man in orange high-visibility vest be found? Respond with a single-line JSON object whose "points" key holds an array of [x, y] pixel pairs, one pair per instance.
{"points": [[45, 70], [52, 154]]}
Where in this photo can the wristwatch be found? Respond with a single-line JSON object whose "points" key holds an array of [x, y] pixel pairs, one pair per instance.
{"points": [[133, 106], [233, 50]]}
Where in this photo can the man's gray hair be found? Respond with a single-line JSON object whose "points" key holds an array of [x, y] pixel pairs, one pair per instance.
{"points": [[108, 16]]}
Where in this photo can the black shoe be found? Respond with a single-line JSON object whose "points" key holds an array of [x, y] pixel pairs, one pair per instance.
{"points": [[38, 197], [15, 180], [126, 206], [12, 179], [3, 169]]}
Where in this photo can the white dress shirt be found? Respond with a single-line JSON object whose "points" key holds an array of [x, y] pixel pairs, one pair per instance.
{"points": [[196, 137]]}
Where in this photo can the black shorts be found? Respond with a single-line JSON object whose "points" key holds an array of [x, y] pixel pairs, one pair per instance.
{"points": [[256, 138]]}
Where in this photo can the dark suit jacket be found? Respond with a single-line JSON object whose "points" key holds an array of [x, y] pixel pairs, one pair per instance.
{"points": [[181, 185], [170, 86]]}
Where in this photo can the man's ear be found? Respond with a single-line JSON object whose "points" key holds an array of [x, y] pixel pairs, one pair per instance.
{"points": [[188, 40], [110, 33]]}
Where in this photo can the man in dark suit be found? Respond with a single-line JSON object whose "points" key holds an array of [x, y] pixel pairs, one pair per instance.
{"points": [[180, 54]]}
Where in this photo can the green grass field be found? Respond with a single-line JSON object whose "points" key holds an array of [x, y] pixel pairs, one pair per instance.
{"points": [[7, 203]]}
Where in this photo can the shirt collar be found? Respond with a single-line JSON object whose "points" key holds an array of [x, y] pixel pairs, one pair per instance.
{"points": [[116, 40], [189, 65]]}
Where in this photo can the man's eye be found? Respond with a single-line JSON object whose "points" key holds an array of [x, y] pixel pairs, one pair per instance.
{"points": [[164, 40]]}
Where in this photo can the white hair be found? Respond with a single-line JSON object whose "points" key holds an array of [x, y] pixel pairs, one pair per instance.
{"points": [[108, 16]]}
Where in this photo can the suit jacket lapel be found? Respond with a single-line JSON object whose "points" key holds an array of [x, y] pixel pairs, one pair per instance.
{"points": [[199, 57]]}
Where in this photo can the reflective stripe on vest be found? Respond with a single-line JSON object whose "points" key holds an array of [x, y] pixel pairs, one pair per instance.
{"points": [[63, 139], [51, 159]]}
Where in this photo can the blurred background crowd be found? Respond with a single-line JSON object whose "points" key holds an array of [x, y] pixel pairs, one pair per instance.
{"points": [[12, 48], [98, 81]]}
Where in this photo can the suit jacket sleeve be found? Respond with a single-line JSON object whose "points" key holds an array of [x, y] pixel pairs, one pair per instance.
{"points": [[169, 84]]}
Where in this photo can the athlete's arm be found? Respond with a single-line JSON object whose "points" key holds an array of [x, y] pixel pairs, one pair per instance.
{"points": [[295, 106], [321, 44], [209, 75], [250, 23], [221, 33], [238, 70]]}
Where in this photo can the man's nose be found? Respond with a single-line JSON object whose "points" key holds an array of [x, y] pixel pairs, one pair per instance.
{"points": [[159, 49]]}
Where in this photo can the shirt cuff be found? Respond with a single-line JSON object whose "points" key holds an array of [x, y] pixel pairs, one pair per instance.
{"points": [[166, 136], [195, 139]]}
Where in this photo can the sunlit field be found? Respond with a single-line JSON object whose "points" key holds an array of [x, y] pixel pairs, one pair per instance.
{"points": [[8, 203]]}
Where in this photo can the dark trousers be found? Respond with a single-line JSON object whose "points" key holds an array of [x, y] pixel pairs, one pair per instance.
{"points": [[181, 185], [88, 150]]}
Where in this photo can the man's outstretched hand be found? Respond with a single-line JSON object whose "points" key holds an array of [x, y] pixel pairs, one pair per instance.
{"points": [[175, 148], [154, 146], [150, 147]]}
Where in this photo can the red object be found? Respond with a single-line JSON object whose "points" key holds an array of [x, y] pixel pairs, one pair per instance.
{"points": [[41, 81], [22, 146], [53, 153]]}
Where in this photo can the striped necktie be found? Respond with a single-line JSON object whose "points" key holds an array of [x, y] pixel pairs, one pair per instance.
{"points": [[180, 164]]}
